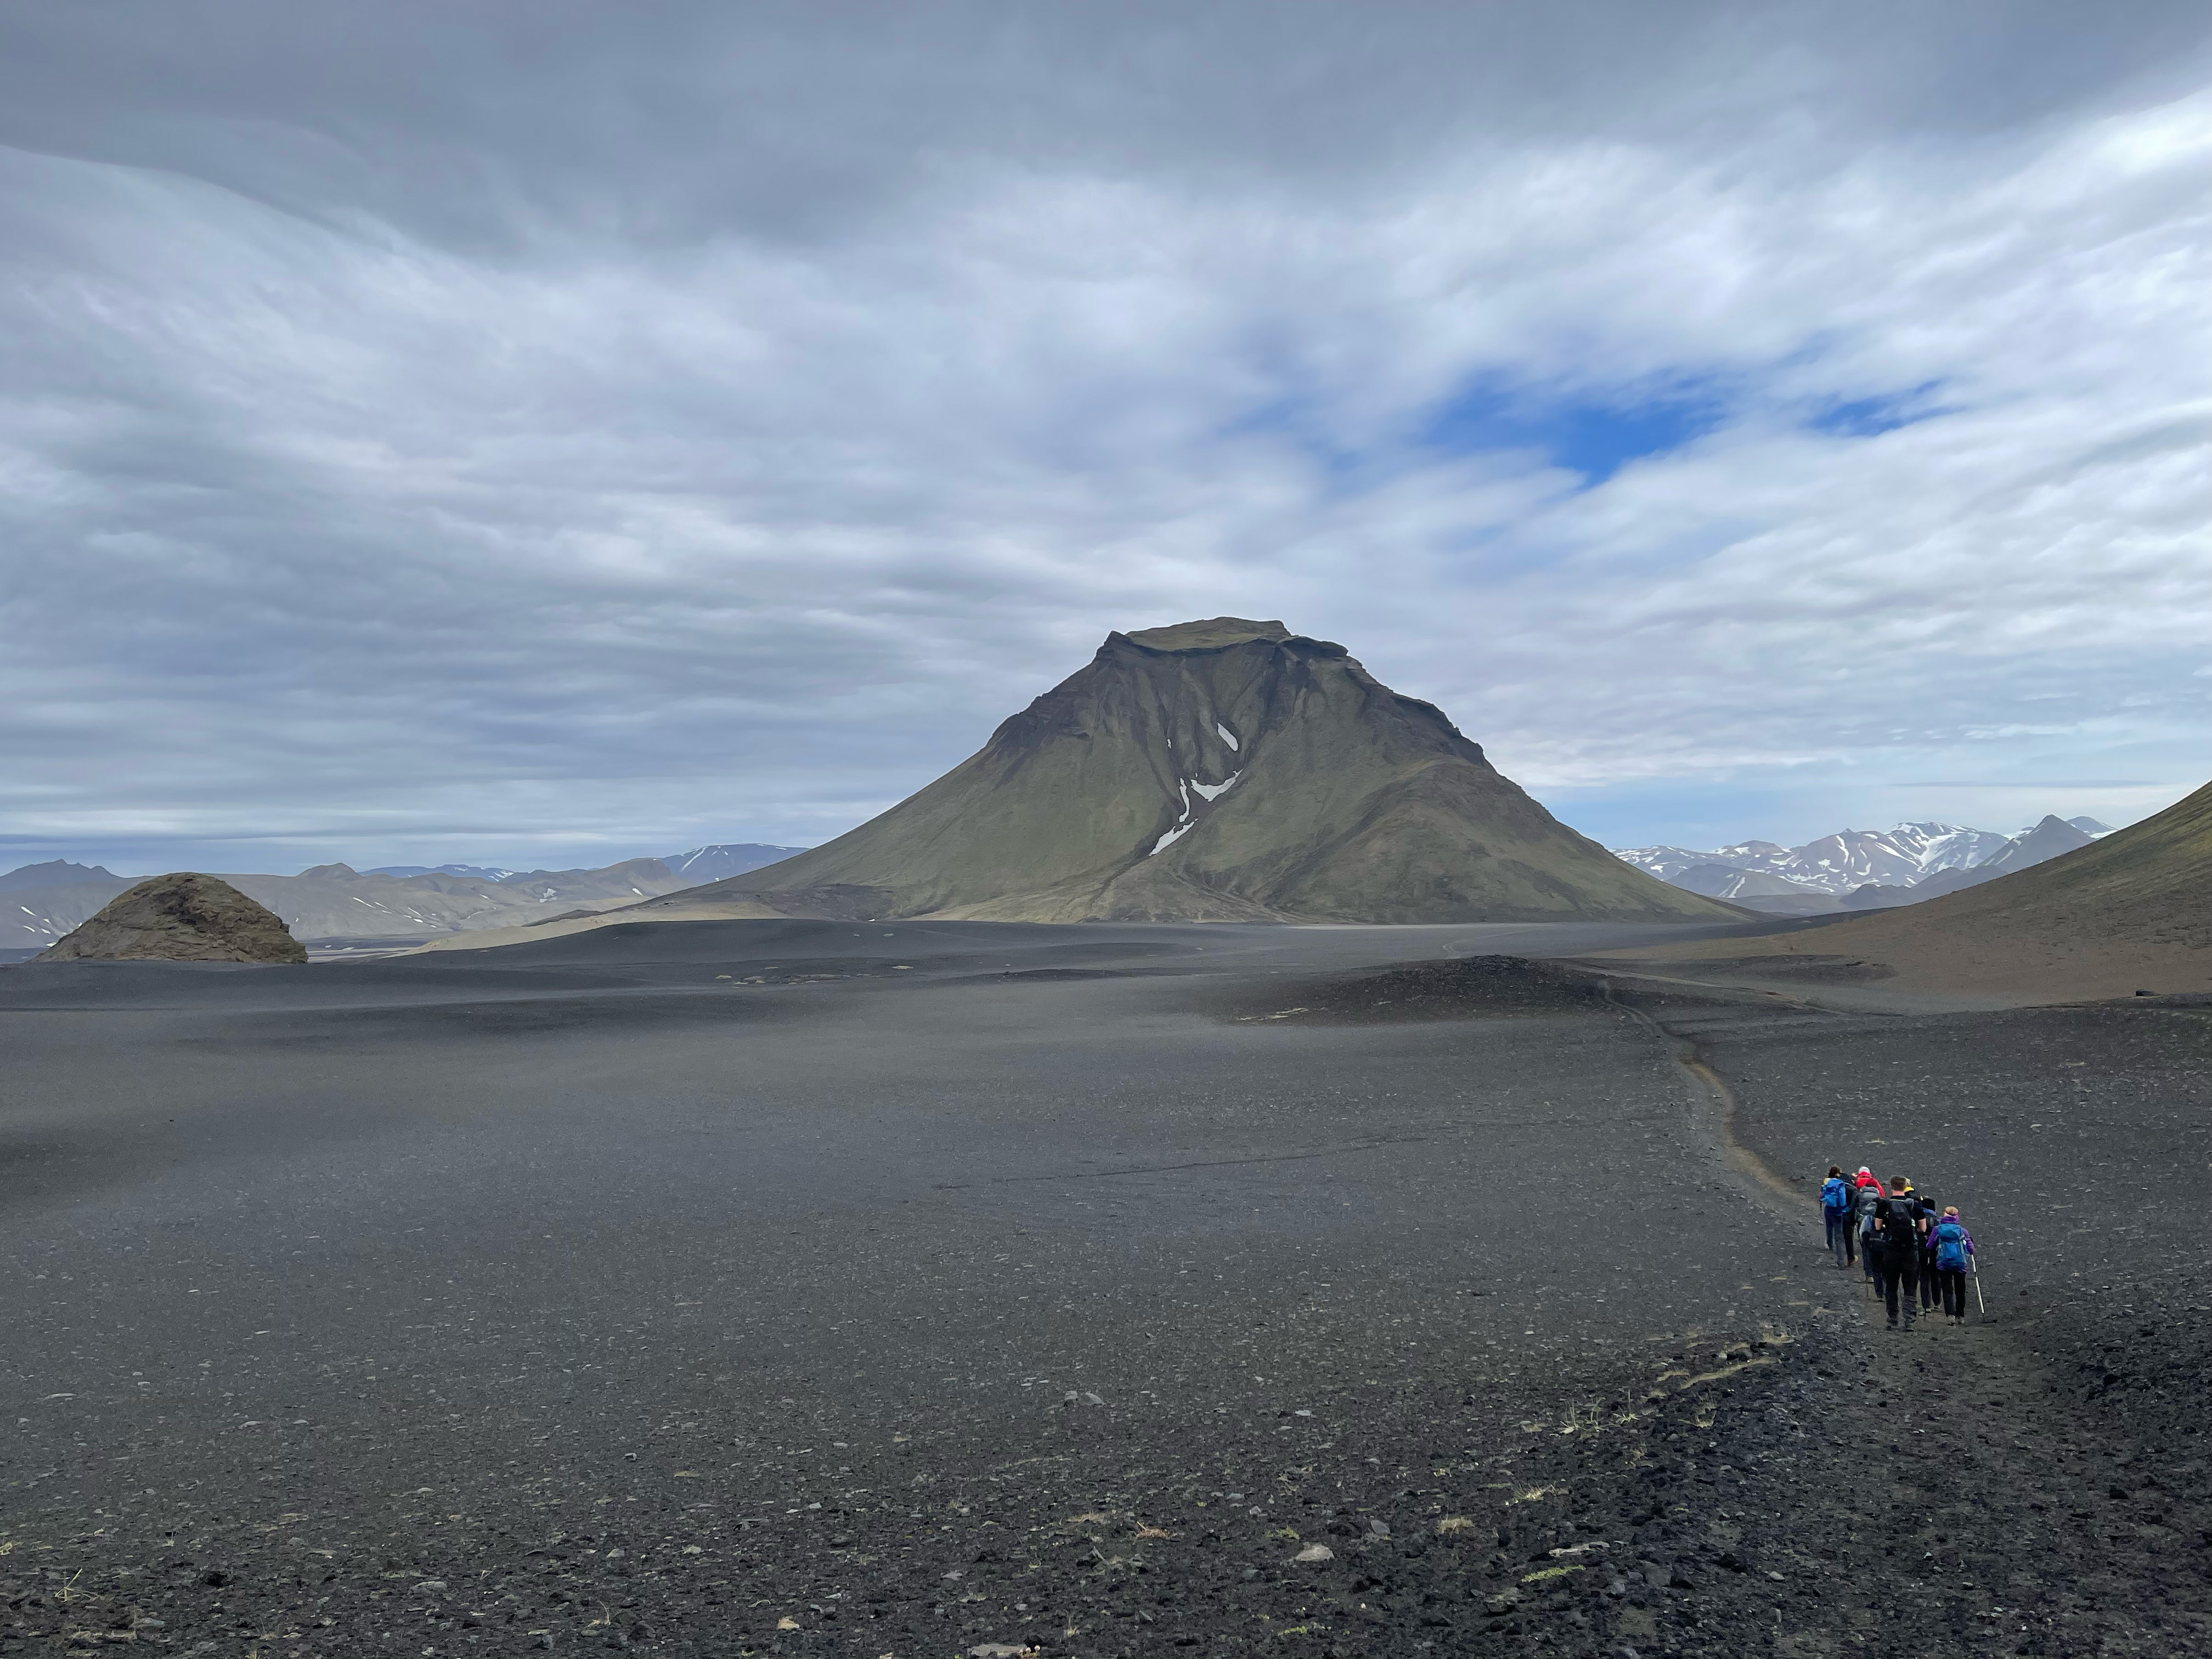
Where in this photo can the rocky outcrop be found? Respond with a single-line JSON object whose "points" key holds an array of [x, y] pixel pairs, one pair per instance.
{"points": [[181, 917], [1221, 770]]}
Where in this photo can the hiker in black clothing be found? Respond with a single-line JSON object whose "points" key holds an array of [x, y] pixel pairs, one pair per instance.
{"points": [[1930, 1293], [1898, 1217]]}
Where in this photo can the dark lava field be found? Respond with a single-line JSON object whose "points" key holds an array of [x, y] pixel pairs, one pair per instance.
{"points": [[718, 1289]]}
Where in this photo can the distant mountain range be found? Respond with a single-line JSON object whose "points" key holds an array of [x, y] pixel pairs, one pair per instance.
{"points": [[1861, 869], [330, 902]]}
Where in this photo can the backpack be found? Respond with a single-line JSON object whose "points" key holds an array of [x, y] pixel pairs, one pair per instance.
{"points": [[1869, 1201], [1950, 1241], [1835, 1195], [1896, 1216]]}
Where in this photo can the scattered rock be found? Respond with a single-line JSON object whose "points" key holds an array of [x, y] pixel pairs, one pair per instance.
{"points": [[1315, 1553]]}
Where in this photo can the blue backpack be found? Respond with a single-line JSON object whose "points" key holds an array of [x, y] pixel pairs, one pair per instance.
{"points": [[1950, 1246], [1836, 1195]]}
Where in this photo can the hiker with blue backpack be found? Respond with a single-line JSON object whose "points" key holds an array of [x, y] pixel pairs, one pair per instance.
{"points": [[1955, 1257], [1836, 1214]]}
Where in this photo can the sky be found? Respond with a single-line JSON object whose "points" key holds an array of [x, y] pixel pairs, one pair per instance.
{"points": [[542, 434]]}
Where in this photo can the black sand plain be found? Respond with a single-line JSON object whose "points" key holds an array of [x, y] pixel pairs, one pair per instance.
{"points": [[913, 1289]]}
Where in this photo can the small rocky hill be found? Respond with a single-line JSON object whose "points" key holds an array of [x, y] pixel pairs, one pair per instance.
{"points": [[179, 917], [1217, 770]]}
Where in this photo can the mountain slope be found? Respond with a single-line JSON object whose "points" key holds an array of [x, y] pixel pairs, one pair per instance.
{"points": [[1221, 770]]}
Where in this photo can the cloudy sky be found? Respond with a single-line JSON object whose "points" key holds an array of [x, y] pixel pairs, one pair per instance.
{"points": [[553, 432]]}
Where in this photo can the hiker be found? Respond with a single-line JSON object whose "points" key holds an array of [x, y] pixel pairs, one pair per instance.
{"points": [[1899, 1218], [1955, 1255], [1836, 1214], [1929, 1215], [1866, 1196]]}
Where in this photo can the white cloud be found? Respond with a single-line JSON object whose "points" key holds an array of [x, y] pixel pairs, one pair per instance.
{"points": [[422, 493]]}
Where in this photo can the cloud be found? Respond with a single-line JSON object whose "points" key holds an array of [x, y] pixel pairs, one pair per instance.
{"points": [[474, 433]]}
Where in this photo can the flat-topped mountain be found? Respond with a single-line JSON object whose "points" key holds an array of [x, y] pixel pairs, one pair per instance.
{"points": [[1217, 770]]}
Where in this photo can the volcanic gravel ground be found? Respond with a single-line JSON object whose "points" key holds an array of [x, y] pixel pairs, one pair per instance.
{"points": [[786, 1288]]}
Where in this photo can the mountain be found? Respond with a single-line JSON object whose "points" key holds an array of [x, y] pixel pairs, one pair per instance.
{"points": [[2044, 840], [1219, 770], [2049, 838], [1841, 862], [1725, 881], [334, 901], [2129, 911], [1868, 868], [181, 917], [705, 864], [54, 872], [485, 871]]}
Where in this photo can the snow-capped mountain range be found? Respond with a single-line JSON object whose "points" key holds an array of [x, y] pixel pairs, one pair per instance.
{"points": [[1843, 863]]}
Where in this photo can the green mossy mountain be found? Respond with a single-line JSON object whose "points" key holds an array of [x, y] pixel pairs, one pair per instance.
{"points": [[1224, 770]]}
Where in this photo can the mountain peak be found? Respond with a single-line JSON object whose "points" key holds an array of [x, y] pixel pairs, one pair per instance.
{"points": [[1213, 634], [1221, 770]]}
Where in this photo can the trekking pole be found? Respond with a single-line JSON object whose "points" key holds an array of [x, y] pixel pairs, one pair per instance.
{"points": [[1981, 1306]]}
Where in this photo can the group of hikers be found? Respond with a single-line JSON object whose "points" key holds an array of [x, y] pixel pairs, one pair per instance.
{"points": [[1912, 1253]]}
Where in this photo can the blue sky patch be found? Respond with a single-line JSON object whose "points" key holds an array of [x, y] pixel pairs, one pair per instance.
{"points": [[1870, 417], [1595, 437]]}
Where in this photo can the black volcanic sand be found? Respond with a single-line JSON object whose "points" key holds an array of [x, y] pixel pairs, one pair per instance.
{"points": [[793, 1287]]}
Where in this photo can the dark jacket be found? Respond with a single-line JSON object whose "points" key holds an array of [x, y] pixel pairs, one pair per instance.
{"points": [[1899, 1218]]}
